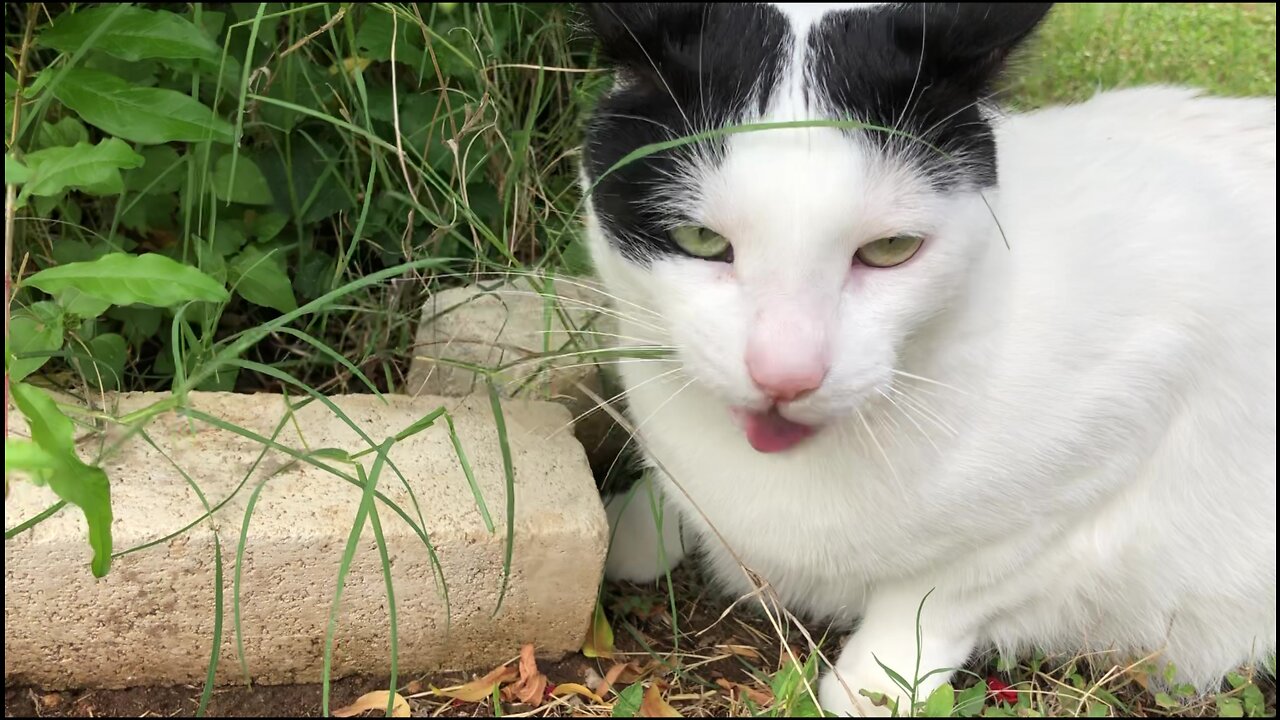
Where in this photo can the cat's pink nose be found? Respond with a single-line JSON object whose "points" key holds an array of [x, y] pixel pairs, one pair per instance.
{"points": [[787, 356], [785, 383]]}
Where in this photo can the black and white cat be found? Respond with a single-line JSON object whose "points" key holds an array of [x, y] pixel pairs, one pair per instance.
{"points": [[1023, 365]]}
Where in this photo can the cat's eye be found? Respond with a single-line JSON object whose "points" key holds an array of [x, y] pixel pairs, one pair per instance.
{"points": [[702, 243], [890, 251]]}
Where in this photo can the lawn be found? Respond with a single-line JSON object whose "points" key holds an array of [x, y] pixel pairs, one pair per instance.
{"points": [[431, 144]]}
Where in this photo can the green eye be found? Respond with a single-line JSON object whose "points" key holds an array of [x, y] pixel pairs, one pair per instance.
{"points": [[890, 251], [702, 243]]}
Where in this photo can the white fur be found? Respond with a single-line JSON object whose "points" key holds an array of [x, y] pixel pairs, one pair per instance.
{"points": [[1092, 462]]}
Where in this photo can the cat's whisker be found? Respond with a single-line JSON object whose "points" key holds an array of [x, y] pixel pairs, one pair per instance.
{"points": [[616, 312], [560, 368], [603, 310], [925, 411], [578, 282], [635, 430], [921, 378], [550, 368], [600, 406], [892, 471], [601, 333], [928, 438]]}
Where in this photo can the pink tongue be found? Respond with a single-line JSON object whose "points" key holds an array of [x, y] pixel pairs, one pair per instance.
{"points": [[769, 432]]}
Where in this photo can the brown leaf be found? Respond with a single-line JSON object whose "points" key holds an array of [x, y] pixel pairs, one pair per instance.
{"points": [[481, 688], [757, 696], [376, 700], [743, 651], [414, 687], [654, 706], [531, 688]]}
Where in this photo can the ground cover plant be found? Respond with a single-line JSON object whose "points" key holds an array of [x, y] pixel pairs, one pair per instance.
{"points": [[259, 197]]}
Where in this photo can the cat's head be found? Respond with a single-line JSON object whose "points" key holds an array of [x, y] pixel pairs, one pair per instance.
{"points": [[790, 265]]}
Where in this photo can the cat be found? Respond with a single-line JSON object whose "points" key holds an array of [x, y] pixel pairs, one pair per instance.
{"points": [[1015, 374]]}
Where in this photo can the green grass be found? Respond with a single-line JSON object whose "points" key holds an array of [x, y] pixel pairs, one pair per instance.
{"points": [[362, 184], [1227, 48]]}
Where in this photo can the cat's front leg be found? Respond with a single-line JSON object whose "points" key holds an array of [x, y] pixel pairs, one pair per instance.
{"points": [[888, 633], [644, 529]]}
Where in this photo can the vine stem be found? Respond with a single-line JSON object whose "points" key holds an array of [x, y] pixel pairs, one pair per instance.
{"points": [[10, 196]]}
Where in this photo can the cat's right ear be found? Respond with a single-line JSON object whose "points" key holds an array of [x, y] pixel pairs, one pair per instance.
{"points": [[632, 36]]}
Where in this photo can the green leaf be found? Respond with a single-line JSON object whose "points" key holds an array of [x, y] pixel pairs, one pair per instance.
{"points": [[103, 365], [124, 279], [146, 213], [93, 168], [149, 116], [227, 239], [71, 479], [247, 186], [628, 702], [969, 702], [261, 278], [265, 226], [1166, 701], [1230, 707], [136, 34], [15, 173], [161, 173], [315, 273], [941, 701], [1255, 703], [28, 457], [138, 324], [66, 132], [77, 302], [373, 41], [35, 332]]}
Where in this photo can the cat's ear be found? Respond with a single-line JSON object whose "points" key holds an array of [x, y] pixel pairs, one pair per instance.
{"points": [[639, 37], [628, 33], [968, 43]]}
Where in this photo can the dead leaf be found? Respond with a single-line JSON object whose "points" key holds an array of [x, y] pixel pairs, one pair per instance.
{"points": [[414, 687], [756, 695], [599, 642], [376, 700], [531, 688], [576, 689], [624, 673], [481, 688], [742, 650], [654, 706]]}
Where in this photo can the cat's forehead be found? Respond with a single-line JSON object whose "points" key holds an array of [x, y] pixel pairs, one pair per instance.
{"points": [[804, 15]]}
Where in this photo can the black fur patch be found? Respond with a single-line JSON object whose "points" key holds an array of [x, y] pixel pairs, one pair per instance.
{"points": [[684, 68], [923, 69]]}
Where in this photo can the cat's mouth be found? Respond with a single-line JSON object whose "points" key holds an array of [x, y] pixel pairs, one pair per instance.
{"points": [[769, 432]]}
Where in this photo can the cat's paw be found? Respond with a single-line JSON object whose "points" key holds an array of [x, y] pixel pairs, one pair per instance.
{"points": [[842, 696], [640, 550]]}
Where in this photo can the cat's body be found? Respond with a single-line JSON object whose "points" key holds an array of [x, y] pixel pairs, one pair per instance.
{"points": [[1068, 443]]}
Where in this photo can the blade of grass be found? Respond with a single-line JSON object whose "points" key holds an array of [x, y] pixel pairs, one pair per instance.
{"points": [[381, 540], [508, 473], [369, 482]]}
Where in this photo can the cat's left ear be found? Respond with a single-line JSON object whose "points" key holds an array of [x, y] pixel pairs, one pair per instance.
{"points": [[968, 43]]}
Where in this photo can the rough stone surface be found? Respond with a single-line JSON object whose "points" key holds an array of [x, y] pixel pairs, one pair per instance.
{"points": [[151, 620], [492, 324]]}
